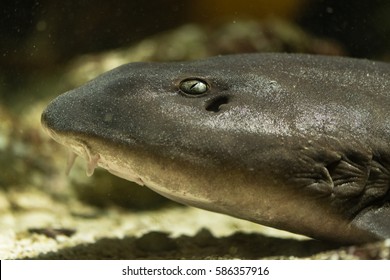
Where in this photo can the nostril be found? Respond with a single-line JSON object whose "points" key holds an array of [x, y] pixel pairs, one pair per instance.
{"points": [[214, 105]]}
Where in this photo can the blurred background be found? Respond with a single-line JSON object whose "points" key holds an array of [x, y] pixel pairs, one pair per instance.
{"points": [[48, 47], [40, 36]]}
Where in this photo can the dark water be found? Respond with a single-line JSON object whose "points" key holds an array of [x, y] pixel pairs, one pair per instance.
{"points": [[39, 35], [44, 44]]}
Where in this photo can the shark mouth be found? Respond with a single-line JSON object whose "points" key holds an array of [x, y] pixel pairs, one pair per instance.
{"points": [[92, 162], [79, 147]]}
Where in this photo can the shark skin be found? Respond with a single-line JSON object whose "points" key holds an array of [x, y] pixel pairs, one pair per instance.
{"points": [[296, 142]]}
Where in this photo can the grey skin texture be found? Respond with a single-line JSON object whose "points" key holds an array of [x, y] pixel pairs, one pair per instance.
{"points": [[296, 142]]}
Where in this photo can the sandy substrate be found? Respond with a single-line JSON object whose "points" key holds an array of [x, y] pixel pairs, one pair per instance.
{"points": [[34, 226], [47, 215]]}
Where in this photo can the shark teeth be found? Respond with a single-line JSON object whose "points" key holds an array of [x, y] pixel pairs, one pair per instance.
{"points": [[91, 159], [92, 163], [70, 162], [81, 149]]}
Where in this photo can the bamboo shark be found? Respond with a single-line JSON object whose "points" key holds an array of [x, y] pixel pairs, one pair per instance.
{"points": [[296, 142]]}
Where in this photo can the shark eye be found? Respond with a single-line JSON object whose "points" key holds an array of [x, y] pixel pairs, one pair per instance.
{"points": [[193, 87]]}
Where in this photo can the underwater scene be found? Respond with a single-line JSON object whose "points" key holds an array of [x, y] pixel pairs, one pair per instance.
{"points": [[125, 166]]}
